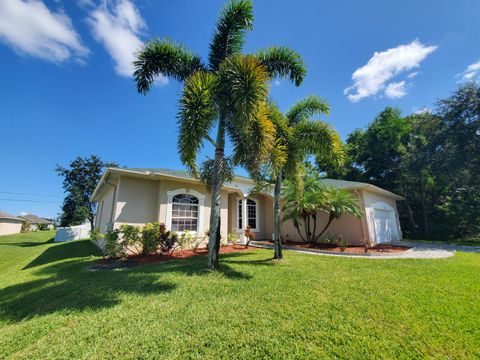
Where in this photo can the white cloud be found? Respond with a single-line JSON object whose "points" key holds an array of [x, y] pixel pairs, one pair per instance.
{"points": [[119, 28], [472, 71], [277, 82], [29, 27], [396, 90], [424, 110], [373, 77], [412, 74]]}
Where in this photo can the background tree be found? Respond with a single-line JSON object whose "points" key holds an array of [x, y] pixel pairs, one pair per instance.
{"points": [[227, 96], [431, 158], [79, 181]]}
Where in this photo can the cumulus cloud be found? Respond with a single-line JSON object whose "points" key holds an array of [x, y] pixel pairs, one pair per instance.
{"points": [[30, 27], [374, 77], [118, 28], [472, 71], [396, 90]]}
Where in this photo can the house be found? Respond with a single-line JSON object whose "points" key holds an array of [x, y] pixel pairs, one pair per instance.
{"points": [[137, 196], [35, 222], [10, 224]]}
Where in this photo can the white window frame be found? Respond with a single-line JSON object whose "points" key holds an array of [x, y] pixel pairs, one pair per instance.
{"points": [[201, 206], [243, 201]]}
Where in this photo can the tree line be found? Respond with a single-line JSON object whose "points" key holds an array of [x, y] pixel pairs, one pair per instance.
{"points": [[432, 158]]}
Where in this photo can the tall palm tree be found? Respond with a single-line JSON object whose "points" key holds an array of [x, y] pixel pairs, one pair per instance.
{"points": [[227, 95], [299, 135]]}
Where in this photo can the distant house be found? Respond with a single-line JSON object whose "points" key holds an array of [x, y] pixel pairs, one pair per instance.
{"points": [[35, 222], [10, 224]]}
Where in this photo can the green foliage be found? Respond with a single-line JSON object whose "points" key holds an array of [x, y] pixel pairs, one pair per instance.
{"points": [[96, 235], [25, 226], [431, 158], [163, 57], [306, 198], [150, 239], [228, 39], [341, 242], [283, 62], [131, 237], [306, 108], [114, 247], [232, 238], [186, 240], [79, 182]]}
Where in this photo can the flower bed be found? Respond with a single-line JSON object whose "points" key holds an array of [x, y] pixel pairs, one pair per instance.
{"points": [[380, 249], [133, 260]]}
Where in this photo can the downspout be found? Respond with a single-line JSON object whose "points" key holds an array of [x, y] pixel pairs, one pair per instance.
{"points": [[114, 198]]}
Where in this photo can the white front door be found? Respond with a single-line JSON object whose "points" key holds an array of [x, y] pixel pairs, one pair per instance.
{"points": [[385, 228]]}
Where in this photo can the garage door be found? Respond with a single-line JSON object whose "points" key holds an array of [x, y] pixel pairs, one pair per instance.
{"points": [[385, 226]]}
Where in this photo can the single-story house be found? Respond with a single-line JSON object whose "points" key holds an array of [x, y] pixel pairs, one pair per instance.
{"points": [[10, 224], [138, 196], [34, 221]]}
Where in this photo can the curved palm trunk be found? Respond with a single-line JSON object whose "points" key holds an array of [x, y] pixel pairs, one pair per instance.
{"points": [[330, 219], [214, 234], [276, 218]]}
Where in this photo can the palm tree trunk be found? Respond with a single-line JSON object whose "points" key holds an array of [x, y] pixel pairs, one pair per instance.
{"points": [[214, 233], [330, 219], [276, 218]]}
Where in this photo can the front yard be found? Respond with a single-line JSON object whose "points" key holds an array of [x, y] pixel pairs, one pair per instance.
{"points": [[308, 306]]}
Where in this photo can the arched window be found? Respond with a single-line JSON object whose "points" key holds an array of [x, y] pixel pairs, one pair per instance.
{"points": [[252, 214], [185, 209]]}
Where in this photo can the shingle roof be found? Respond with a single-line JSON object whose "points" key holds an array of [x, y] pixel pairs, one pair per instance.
{"points": [[177, 173], [8, 216], [34, 219]]}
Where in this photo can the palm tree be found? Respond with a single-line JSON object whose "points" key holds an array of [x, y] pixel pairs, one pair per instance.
{"points": [[302, 204], [227, 95], [298, 135]]}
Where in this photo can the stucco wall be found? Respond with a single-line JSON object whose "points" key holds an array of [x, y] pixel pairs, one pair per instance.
{"points": [[8, 226], [104, 210], [137, 201], [348, 226]]}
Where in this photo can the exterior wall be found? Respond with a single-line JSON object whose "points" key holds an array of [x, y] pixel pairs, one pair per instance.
{"points": [[348, 226], [104, 211], [137, 201], [370, 199], [10, 226]]}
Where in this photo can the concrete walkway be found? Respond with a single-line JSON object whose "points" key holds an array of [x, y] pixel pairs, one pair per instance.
{"points": [[419, 250]]}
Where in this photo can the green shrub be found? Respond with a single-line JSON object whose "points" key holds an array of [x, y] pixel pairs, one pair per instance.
{"points": [[131, 237], [42, 227], [167, 239], [114, 248], [232, 238], [367, 243], [25, 227], [342, 242], [150, 238], [186, 240]]}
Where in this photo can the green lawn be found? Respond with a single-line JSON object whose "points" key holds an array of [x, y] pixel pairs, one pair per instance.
{"points": [[305, 307]]}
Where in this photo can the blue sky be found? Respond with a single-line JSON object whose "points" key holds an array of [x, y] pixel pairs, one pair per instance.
{"points": [[65, 87]]}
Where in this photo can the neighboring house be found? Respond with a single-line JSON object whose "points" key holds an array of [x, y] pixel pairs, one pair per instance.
{"points": [[10, 224], [138, 196], [34, 221]]}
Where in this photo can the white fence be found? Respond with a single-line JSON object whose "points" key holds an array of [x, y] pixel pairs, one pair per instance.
{"points": [[72, 233]]}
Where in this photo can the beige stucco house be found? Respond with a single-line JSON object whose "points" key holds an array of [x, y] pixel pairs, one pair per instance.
{"points": [[35, 222], [138, 196], [10, 224]]}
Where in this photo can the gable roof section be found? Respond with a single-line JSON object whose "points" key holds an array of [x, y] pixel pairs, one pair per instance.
{"points": [[185, 175], [34, 219], [9, 217]]}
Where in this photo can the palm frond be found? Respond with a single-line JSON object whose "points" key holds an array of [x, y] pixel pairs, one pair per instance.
{"points": [[316, 138], [228, 39], [208, 167], [306, 108], [283, 62], [163, 57], [196, 116]]}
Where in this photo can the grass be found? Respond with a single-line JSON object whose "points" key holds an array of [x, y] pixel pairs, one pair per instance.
{"points": [[307, 306]]}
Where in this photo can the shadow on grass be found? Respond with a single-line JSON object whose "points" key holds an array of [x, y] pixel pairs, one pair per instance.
{"points": [[63, 251], [28, 243], [68, 285]]}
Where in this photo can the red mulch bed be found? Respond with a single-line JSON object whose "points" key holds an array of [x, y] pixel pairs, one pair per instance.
{"points": [[377, 249], [177, 254]]}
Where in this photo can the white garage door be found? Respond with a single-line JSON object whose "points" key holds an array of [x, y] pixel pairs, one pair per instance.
{"points": [[385, 226]]}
